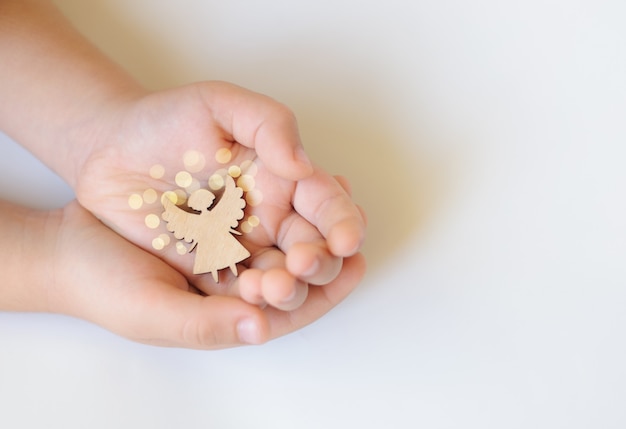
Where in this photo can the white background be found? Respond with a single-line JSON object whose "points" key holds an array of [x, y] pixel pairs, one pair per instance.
{"points": [[485, 139]]}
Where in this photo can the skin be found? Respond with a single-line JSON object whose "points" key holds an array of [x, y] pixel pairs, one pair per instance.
{"points": [[101, 131]]}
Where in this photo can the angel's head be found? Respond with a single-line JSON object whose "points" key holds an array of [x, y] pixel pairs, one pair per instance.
{"points": [[201, 200]]}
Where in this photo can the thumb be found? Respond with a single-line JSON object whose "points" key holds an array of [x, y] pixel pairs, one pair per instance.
{"points": [[260, 123], [167, 316]]}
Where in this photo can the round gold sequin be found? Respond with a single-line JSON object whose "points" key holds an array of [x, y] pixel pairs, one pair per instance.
{"points": [[178, 197], [216, 182], [249, 167], [246, 182], [183, 179], [180, 248], [223, 155], [157, 171], [170, 195], [135, 201], [246, 227], [149, 196], [254, 221], [166, 238], [152, 221], [193, 186], [234, 171], [254, 197], [158, 243], [181, 197], [194, 161]]}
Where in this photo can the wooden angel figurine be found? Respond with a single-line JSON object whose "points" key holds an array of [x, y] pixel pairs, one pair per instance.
{"points": [[211, 228]]}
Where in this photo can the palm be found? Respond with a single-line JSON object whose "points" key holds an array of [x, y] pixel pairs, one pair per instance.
{"points": [[163, 128], [161, 134]]}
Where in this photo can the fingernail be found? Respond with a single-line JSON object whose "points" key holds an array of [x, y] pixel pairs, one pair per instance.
{"points": [[248, 332], [312, 269], [302, 156], [290, 297]]}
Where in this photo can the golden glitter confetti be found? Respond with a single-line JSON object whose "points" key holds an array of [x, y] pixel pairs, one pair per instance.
{"points": [[194, 161], [193, 186], [157, 171], [135, 201], [166, 238], [152, 221], [246, 182], [254, 221], [181, 249], [181, 197], [234, 171], [223, 155], [183, 179], [158, 243], [178, 197], [254, 197], [246, 227], [149, 196], [251, 223], [216, 182], [249, 167], [170, 195]]}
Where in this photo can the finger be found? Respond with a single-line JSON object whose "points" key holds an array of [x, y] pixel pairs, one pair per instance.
{"points": [[320, 300], [171, 317], [268, 282], [308, 255], [313, 263], [250, 289], [261, 123], [282, 290], [322, 201], [345, 184], [363, 214]]}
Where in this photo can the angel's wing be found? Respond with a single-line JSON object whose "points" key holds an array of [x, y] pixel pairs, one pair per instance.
{"points": [[230, 207], [184, 225]]}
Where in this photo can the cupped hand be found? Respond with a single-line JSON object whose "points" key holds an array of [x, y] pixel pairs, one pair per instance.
{"points": [[101, 277], [307, 222]]}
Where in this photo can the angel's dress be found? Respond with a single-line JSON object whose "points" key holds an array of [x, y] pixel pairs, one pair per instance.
{"points": [[216, 247], [211, 231]]}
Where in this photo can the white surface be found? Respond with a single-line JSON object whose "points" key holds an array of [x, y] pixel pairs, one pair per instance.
{"points": [[486, 141]]}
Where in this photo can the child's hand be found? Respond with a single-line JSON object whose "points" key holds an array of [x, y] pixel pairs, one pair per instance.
{"points": [[92, 273], [308, 222], [94, 125]]}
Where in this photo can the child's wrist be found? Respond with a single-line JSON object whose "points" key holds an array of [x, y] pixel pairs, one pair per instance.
{"points": [[27, 250]]}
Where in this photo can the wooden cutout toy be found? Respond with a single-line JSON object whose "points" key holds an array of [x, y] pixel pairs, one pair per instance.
{"points": [[211, 228]]}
